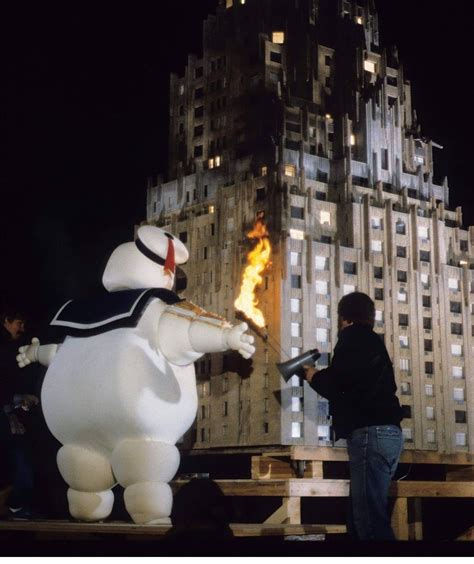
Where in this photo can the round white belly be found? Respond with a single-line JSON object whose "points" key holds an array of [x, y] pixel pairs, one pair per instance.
{"points": [[100, 390]]}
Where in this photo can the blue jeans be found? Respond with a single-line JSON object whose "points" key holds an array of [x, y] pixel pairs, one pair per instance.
{"points": [[373, 458]]}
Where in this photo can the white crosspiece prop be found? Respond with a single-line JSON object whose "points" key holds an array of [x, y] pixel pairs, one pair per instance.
{"points": [[120, 390]]}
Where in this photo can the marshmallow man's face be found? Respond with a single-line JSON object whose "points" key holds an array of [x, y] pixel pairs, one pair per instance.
{"points": [[133, 267]]}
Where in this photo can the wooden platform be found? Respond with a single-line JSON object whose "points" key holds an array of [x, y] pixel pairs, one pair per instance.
{"points": [[62, 529]]}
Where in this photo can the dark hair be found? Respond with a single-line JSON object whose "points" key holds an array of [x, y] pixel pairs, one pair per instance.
{"points": [[10, 314], [357, 308]]}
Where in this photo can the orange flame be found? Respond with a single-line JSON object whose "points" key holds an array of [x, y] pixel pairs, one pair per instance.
{"points": [[257, 261]]}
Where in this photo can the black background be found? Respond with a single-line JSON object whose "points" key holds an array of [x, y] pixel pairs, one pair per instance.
{"points": [[84, 105]]}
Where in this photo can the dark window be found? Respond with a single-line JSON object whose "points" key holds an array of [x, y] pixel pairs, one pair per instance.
{"points": [[205, 190], [426, 301], [403, 319], [205, 253], [198, 93], [392, 80], [401, 276], [199, 72], [427, 323], [260, 194], [425, 256], [385, 159], [326, 239], [322, 176], [456, 329], [406, 411], [181, 110], [328, 61], [198, 130], [181, 127], [401, 252], [378, 272], [199, 111], [328, 82], [378, 293], [460, 416], [455, 307], [428, 368], [428, 345], [350, 267], [295, 281], [266, 428], [275, 57], [183, 236], [463, 246], [321, 196], [212, 229], [198, 151], [400, 227], [324, 359], [293, 127], [297, 212]]}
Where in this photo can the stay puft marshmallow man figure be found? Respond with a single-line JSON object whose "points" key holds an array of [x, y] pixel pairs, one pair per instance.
{"points": [[121, 390]]}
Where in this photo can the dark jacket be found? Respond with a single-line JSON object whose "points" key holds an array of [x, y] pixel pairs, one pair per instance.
{"points": [[8, 367], [359, 383]]}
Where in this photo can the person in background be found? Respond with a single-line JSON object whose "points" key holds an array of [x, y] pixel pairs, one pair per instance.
{"points": [[360, 386], [14, 438]]}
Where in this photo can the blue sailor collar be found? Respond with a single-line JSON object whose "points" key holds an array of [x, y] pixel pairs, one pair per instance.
{"points": [[88, 317]]}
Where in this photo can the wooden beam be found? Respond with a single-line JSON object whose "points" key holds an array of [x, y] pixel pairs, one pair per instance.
{"points": [[408, 456], [460, 474], [288, 513], [267, 468], [400, 519], [432, 489], [276, 488], [130, 529]]}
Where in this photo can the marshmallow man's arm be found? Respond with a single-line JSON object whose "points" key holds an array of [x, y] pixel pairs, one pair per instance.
{"points": [[184, 336], [36, 352]]}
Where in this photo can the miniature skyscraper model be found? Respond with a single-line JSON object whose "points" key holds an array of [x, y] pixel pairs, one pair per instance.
{"points": [[297, 116]]}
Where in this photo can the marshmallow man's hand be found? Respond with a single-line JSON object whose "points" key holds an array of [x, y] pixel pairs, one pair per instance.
{"points": [[238, 340], [28, 353]]}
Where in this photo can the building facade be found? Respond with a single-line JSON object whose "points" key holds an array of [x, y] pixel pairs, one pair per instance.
{"points": [[297, 114]]}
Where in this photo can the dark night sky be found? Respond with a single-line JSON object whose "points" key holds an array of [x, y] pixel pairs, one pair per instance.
{"points": [[84, 102]]}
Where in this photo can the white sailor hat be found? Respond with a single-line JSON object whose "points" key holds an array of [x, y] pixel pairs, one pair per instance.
{"points": [[161, 247]]}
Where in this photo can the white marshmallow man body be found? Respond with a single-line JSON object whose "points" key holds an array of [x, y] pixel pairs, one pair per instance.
{"points": [[120, 399]]}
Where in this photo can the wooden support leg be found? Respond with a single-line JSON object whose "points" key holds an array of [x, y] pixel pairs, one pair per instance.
{"points": [[288, 513], [407, 519]]}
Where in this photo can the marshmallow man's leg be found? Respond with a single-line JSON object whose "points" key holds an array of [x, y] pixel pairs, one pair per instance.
{"points": [[144, 469], [89, 476]]}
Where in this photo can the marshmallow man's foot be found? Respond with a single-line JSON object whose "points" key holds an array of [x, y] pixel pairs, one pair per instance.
{"points": [[90, 506], [89, 475], [144, 469], [149, 502]]}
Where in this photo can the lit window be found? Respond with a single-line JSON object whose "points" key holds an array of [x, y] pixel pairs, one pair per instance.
{"points": [[321, 263], [404, 364], [377, 246], [430, 436], [295, 259], [423, 232], [429, 389], [229, 3], [321, 335], [264, 171], [218, 161], [359, 20], [453, 284], [405, 388], [328, 116], [407, 433], [181, 89], [460, 439], [211, 209], [376, 222], [295, 305], [289, 170], [419, 159], [430, 414], [425, 280], [325, 218], [402, 296], [379, 315], [369, 66], [295, 405], [353, 139], [295, 430], [323, 432], [403, 341], [242, 2], [321, 311], [458, 372], [278, 37], [348, 289], [321, 287], [295, 351], [297, 234], [458, 394], [210, 163], [295, 330], [456, 350]]}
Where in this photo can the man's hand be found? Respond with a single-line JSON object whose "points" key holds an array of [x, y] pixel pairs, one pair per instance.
{"points": [[309, 372]]}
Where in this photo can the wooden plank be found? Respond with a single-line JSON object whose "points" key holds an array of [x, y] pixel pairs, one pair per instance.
{"points": [[400, 519], [267, 468], [276, 488], [62, 528], [408, 456], [294, 510], [432, 489], [460, 474], [319, 488]]}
